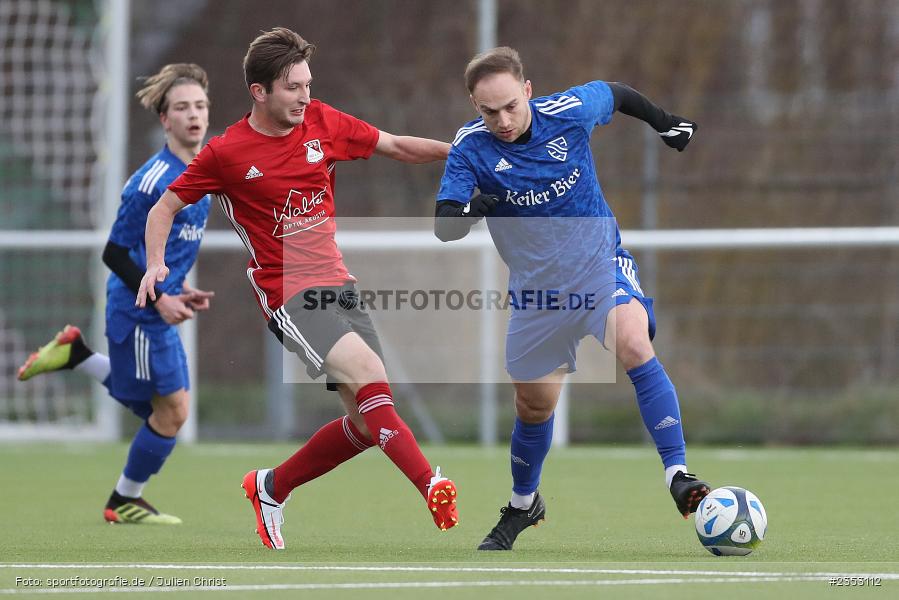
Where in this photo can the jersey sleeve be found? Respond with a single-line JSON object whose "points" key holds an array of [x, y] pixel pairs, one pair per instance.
{"points": [[351, 138], [131, 219], [459, 180], [201, 177], [598, 103]]}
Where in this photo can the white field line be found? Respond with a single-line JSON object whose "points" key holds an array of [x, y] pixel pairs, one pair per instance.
{"points": [[446, 569], [409, 584]]}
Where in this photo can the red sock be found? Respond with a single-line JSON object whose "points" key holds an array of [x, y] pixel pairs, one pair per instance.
{"points": [[335, 443], [393, 436]]}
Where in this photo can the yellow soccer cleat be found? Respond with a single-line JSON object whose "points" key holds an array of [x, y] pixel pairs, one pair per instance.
{"points": [[52, 356], [120, 509]]}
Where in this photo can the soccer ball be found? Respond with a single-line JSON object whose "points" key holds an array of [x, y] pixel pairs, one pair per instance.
{"points": [[731, 521]]}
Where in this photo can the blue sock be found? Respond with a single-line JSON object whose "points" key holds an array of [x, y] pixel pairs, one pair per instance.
{"points": [[657, 400], [148, 453], [530, 445]]}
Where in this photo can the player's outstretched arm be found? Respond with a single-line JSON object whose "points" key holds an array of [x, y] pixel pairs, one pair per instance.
{"points": [[159, 224], [410, 149], [676, 131], [453, 220]]}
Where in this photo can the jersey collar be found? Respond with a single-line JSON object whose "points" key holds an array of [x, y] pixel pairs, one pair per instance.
{"points": [[171, 156]]}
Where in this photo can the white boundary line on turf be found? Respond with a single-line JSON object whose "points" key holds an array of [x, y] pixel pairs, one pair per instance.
{"points": [[406, 584], [451, 569]]}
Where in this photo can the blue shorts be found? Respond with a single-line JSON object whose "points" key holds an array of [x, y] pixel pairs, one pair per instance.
{"points": [[540, 341], [145, 363]]}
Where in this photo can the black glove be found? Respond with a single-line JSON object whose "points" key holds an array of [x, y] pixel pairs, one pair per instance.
{"points": [[480, 206], [679, 133]]}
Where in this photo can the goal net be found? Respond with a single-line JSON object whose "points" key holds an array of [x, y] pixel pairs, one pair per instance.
{"points": [[51, 173]]}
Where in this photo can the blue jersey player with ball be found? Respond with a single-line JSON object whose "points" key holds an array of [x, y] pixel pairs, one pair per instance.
{"points": [[529, 161]]}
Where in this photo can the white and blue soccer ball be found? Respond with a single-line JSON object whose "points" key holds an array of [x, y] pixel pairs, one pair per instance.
{"points": [[731, 521]]}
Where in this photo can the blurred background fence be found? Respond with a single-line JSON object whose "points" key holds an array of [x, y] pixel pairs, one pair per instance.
{"points": [[798, 106]]}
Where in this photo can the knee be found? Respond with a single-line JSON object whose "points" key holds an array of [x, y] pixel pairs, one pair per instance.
{"points": [[633, 349], [170, 414], [532, 408], [369, 369]]}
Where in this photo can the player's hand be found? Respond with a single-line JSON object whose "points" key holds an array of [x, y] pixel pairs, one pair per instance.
{"points": [[173, 309], [197, 299], [147, 287], [480, 206], [679, 133]]}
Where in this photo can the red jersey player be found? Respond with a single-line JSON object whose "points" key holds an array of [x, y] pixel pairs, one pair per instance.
{"points": [[272, 173]]}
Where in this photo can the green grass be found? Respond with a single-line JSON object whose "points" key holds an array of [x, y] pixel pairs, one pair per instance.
{"points": [[830, 511]]}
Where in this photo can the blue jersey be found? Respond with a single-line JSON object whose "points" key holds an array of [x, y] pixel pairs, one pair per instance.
{"points": [[552, 175], [142, 191]]}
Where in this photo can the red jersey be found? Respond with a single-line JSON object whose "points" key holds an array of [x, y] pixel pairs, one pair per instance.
{"points": [[278, 193]]}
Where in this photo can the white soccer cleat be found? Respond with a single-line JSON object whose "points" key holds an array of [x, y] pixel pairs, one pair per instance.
{"points": [[269, 514]]}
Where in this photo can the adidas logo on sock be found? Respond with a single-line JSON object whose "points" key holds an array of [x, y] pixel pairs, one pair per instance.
{"points": [[386, 436], [502, 165], [519, 461], [253, 173], [668, 421]]}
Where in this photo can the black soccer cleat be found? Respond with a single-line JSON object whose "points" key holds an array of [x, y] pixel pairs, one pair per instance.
{"points": [[688, 492], [513, 521]]}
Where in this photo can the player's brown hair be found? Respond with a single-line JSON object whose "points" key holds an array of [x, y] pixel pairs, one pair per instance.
{"points": [[497, 60], [271, 55], [154, 95]]}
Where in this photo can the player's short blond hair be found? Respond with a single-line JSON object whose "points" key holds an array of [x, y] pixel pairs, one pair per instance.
{"points": [[154, 95], [491, 62], [272, 54]]}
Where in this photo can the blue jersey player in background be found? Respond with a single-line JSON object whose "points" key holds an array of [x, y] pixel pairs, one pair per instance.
{"points": [[531, 158], [146, 369]]}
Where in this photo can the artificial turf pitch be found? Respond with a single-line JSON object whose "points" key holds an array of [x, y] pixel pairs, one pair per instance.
{"points": [[611, 529]]}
